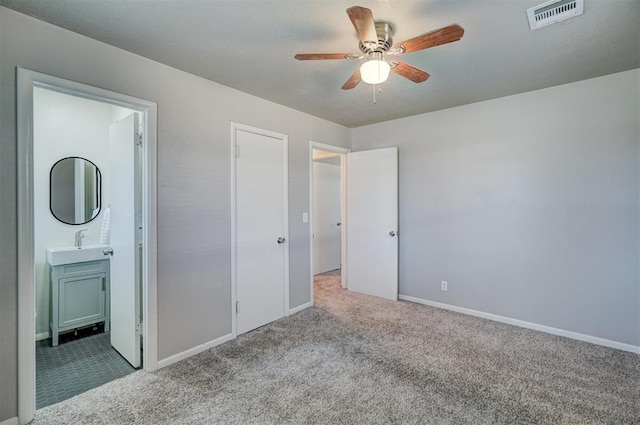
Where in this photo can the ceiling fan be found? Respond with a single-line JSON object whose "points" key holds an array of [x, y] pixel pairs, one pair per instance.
{"points": [[376, 43]]}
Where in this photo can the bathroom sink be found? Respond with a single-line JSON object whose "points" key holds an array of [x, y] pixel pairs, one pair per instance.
{"points": [[72, 254]]}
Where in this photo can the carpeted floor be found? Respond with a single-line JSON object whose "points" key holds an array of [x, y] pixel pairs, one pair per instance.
{"points": [[354, 359]]}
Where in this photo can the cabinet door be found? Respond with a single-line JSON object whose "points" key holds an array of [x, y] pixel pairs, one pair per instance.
{"points": [[81, 300]]}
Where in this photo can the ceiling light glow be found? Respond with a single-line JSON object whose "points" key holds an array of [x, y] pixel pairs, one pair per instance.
{"points": [[374, 71]]}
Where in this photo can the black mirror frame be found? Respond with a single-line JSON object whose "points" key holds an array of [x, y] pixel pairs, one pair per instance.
{"points": [[98, 190]]}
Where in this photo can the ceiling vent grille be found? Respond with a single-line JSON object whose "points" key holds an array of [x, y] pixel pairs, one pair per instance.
{"points": [[553, 11]]}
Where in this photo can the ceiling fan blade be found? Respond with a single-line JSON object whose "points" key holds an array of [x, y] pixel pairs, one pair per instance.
{"points": [[444, 35], [362, 20], [320, 56], [409, 72], [352, 81]]}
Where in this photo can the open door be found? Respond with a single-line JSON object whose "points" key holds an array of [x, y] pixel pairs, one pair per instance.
{"points": [[327, 235], [124, 183], [372, 213]]}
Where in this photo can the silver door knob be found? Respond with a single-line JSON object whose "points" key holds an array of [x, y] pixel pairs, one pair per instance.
{"points": [[392, 233], [338, 224], [280, 240]]}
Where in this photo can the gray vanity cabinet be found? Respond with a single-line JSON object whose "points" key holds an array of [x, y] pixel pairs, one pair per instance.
{"points": [[79, 296]]}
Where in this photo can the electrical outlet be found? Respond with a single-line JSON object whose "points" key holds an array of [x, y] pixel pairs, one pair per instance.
{"points": [[444, 285]]}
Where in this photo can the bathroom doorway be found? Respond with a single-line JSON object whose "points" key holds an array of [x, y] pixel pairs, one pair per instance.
{"points": [[328, 224], [81, 169], [86, 238]]}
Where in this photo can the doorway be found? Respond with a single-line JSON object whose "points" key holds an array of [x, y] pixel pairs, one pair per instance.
{"points": [[86, 193], [110, 214], [328, 219], [327, 211], [369, 221]]}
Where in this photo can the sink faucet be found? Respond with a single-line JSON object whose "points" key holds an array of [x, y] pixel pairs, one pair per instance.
{"points": [[79, 236]]}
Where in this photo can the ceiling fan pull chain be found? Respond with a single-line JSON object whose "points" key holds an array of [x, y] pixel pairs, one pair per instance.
{"points": [[376, 89]]}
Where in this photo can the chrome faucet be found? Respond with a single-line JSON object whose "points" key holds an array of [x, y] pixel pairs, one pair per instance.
{"points": [[79, 237]]}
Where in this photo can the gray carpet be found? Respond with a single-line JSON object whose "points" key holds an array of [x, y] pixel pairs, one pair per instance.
{"points": [[355, 359]]}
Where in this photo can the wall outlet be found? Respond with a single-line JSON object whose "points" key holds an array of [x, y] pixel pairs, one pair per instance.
{"points": [[444, 285]]}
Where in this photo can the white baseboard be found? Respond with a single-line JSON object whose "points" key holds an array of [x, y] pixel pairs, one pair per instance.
{"points": [[10, 421], [193, 351], [529, 325], [300, 308], [40, 337]]}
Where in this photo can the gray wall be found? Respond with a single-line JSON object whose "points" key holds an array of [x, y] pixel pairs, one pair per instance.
{"points": [[194, 227], [527, 205]]}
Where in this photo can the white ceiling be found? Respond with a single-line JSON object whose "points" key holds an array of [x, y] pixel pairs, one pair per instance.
{"points": [[249, 45]]}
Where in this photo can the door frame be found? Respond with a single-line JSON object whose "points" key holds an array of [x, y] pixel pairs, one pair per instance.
{"points": [[343, 209], [26, 81], [235, 127]]}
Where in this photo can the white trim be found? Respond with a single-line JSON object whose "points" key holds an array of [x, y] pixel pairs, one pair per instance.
{"points": [[42, 336], [344, 264], [528, 325], [301, 307], [10, 421], [234, 231], [150, 237], [287, 245], [343, 209], [195, 350], [234, 225], [26, 81], [26, 279]]}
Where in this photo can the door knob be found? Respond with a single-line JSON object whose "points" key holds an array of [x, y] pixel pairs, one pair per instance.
{"points": [[108, 251], [280, 240], [392, 233], [338, 224]]}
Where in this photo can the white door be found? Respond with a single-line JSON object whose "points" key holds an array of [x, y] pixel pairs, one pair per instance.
{"points": [[372, 213], [261, 245], [124, 186], [326, 217]]}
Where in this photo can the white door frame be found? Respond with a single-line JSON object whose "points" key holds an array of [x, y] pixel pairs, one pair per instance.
{"points": [[343, 208], [26, 81], [234, 224]]}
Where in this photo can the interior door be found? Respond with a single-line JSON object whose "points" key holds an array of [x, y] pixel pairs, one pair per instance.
{"points": [[372, 213], [124, 183], [261, 245], [326, 217]]}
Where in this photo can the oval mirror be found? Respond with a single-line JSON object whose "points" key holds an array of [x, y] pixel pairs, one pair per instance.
{"points": [[75, 190]]}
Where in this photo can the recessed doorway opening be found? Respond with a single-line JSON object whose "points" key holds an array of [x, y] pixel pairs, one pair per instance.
{"points": [[79, 169], [328, 221], [368, 219], [86, 238]]}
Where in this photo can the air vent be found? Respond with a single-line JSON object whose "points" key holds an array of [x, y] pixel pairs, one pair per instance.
{"points": [[553, 11]]}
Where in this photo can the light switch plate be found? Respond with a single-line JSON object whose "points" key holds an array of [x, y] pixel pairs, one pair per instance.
{"points": [[305, 217]]}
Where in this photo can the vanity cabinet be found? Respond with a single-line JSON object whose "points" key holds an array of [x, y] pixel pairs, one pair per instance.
{"points": [[79, 296]]}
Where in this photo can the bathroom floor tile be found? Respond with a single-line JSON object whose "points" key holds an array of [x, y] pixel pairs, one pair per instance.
{"points": [[78, 364]]}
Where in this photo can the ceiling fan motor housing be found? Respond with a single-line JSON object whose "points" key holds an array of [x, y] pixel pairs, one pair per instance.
{"points": [[384, 31]]}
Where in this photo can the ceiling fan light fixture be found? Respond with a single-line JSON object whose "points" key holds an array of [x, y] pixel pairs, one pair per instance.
{"points": [[374, 71], [375, 43]]}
